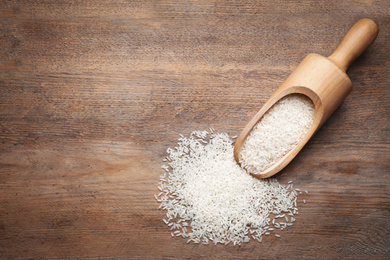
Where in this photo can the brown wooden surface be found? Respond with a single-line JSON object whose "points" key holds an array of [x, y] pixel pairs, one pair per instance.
{"points": [[92, 93]]}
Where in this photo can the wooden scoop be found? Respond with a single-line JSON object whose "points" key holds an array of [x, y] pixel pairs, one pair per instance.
{"points": [[321, 79]]}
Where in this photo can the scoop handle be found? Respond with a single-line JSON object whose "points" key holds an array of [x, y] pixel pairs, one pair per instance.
{"points": [[358, 38]]}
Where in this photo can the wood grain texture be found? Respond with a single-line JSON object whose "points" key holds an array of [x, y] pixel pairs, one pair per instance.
{"points": [[92, 93]]}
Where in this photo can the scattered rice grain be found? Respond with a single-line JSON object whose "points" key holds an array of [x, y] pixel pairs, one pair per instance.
{"points": [[217, 201]]}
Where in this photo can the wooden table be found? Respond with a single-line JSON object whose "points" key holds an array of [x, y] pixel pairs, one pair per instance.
{"points": [[92, 93]]}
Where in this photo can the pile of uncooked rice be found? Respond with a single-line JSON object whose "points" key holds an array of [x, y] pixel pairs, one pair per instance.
{"points": [[208, 197], [281, 128]]}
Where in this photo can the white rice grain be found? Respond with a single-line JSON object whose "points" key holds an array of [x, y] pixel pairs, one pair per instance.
{"points": [[213, 198]]}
